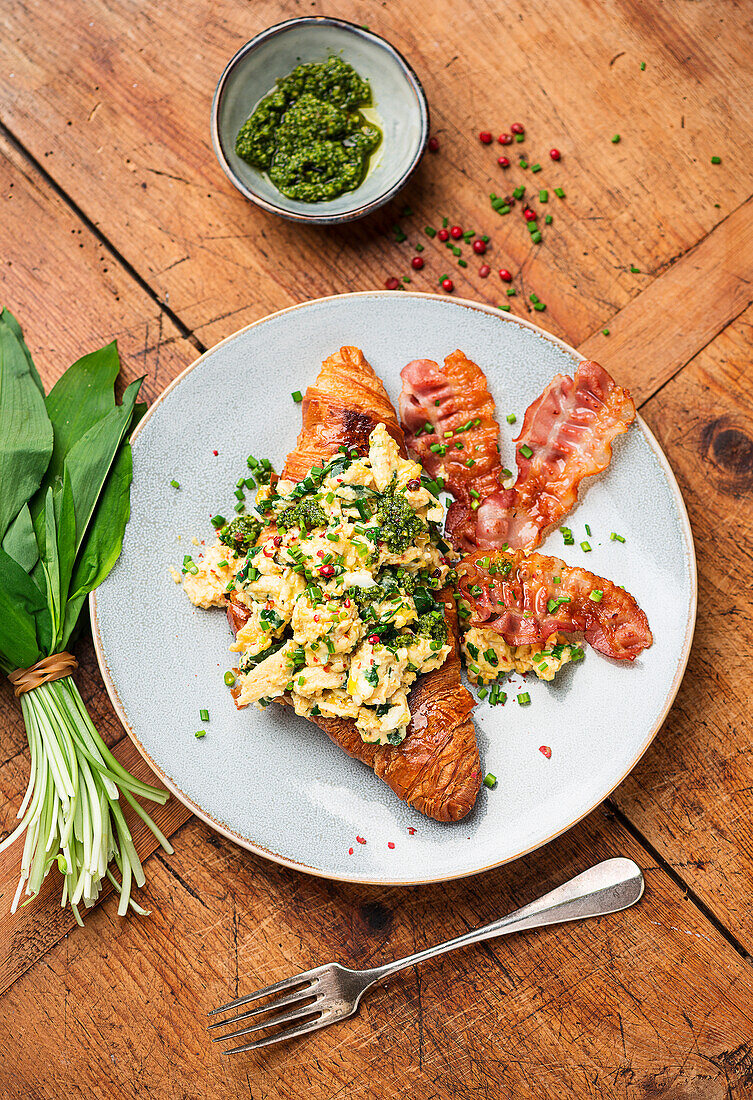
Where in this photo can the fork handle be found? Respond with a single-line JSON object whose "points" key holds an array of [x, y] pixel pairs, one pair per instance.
{"points": [[605, 888]]}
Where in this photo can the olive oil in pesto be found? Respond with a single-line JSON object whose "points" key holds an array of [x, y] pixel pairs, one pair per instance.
{"points": [[308, 133]]}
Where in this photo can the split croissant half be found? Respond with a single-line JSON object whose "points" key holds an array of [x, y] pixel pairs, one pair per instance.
{"points": [[436, 769]]}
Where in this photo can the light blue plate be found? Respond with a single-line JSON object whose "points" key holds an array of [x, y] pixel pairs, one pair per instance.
{"points": [[273, 781]]}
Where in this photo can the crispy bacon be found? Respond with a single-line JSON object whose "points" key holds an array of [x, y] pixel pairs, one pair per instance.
{"points": [[567, 435], [454, 400], [529, 597]]}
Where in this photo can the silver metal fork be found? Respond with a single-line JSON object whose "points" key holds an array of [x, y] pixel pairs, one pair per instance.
{"points": [[333, 992]]}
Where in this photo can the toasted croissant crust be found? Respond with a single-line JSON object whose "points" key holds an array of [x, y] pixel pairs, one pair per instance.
{"points": [[436, 769], [343, 406]]}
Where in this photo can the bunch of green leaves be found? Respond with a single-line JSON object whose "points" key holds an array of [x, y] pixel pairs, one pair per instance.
{"points": [[65, 477]]}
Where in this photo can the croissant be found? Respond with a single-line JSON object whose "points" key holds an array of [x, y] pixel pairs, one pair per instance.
{"points": [[436, 769]]}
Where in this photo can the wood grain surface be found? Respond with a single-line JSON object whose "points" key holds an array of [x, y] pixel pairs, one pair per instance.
{"points": [[117, 223]]}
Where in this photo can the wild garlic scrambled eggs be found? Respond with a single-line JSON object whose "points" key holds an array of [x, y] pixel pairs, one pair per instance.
{"points": [[488, 655], [338, 575]]}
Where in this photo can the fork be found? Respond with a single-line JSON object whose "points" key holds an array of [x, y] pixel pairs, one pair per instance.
{"points": [[332, 992]]}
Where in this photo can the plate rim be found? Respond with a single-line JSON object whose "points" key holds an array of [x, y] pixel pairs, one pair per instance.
{"points": [[286, 861]]}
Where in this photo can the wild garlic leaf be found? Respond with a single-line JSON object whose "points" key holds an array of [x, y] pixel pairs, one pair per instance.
{"points": [[89, 459], [65, 523], [104, 539], [20, 541], [81, 397], [25, 429], [20, 604]]}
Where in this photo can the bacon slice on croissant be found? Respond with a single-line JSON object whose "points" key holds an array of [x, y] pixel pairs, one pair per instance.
{"points": [[436, 769], [529, 597]]}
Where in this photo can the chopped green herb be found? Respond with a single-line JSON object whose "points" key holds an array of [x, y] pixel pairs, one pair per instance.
{"points": [[548, 219], [429, 231], [553, 604], [218, 521], [635, 270], [511, 418], [643, 66], [519, 192], [297, 396], [175, 484], [586, 547], [614, 537], [716, 160], [543, 195], [511, 292], [559, 192], [204, 715], [536, 238], [525, 450], [588, 531], [200, 733], [535, 167], [524, 699], [605, 332], [616, 139], [490, 781], [597, 595]]}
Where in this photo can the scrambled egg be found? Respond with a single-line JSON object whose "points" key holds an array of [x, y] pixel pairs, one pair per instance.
{"points": [[488, 654], [339, 575]]}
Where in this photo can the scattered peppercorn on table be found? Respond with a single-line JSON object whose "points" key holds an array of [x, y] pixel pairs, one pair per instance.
{"points": [[608, 199]]}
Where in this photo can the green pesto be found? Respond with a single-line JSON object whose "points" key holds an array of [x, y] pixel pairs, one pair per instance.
{"points": [[399, 524], [308, 133], [307, 514], [241, 533]]}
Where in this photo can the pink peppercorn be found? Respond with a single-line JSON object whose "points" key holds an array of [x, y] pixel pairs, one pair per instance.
{"points": [[505, 275], [448, 285], [530, 215], [479, 246], [518, 128], [417, 262], [505, 139], [433, 145], [443, 234], [485, 137], [456, 232], [484, 270], [390, 844], [555, 154], [391, 283], [503, 162]]}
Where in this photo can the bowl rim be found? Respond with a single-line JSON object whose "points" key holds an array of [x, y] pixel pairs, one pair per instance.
{"points": [[324, 218]]}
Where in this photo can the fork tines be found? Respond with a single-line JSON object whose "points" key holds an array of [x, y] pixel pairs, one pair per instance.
{"points": [[300, 991]]}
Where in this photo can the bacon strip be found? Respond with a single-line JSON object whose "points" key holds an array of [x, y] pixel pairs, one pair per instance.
{"points": [[569, 431], [512, 592], [450, 400]]}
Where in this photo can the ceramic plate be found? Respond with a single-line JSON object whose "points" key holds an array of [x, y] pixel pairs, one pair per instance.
{"points": [[273, 781]]}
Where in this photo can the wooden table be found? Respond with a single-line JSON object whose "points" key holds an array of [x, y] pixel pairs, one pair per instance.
{"points": [[117, 222]]}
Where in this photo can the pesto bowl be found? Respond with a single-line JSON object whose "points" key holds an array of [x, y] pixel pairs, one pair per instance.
{"points": [[399, 103]]}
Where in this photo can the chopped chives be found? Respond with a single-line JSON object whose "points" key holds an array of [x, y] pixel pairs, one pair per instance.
{"points": [[222, 564], [490, 781], [548, 219], [468, 235], [429, 231], [605, 332], [484, 238], [462, 263], [523, 162], [524, 699], [240, 483], [588, 531], [406, 278], [471, 462], [716, 160], [456, 251], [252, 462], [543, 195], [240, 494], [525, 450], [297, 396], [520, 137], [597, 595], [505, 472], [559, 192], [445, 222], [505, 308], [240, 507], [643, 66], [200, 733], [536, 238], [511, 292], [204, 715], [534, 298], [229, 679], [616, 139], [535, 167], [483, 692], [635, 270], [614, 537], [511, 418], [475, 494], [585, 547], [418, 247], [519, 192], [175, 484], [249, 483], [428, 427]]}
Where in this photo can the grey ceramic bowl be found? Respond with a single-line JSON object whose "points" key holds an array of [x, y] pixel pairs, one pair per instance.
{"points": [[398, 99]]}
